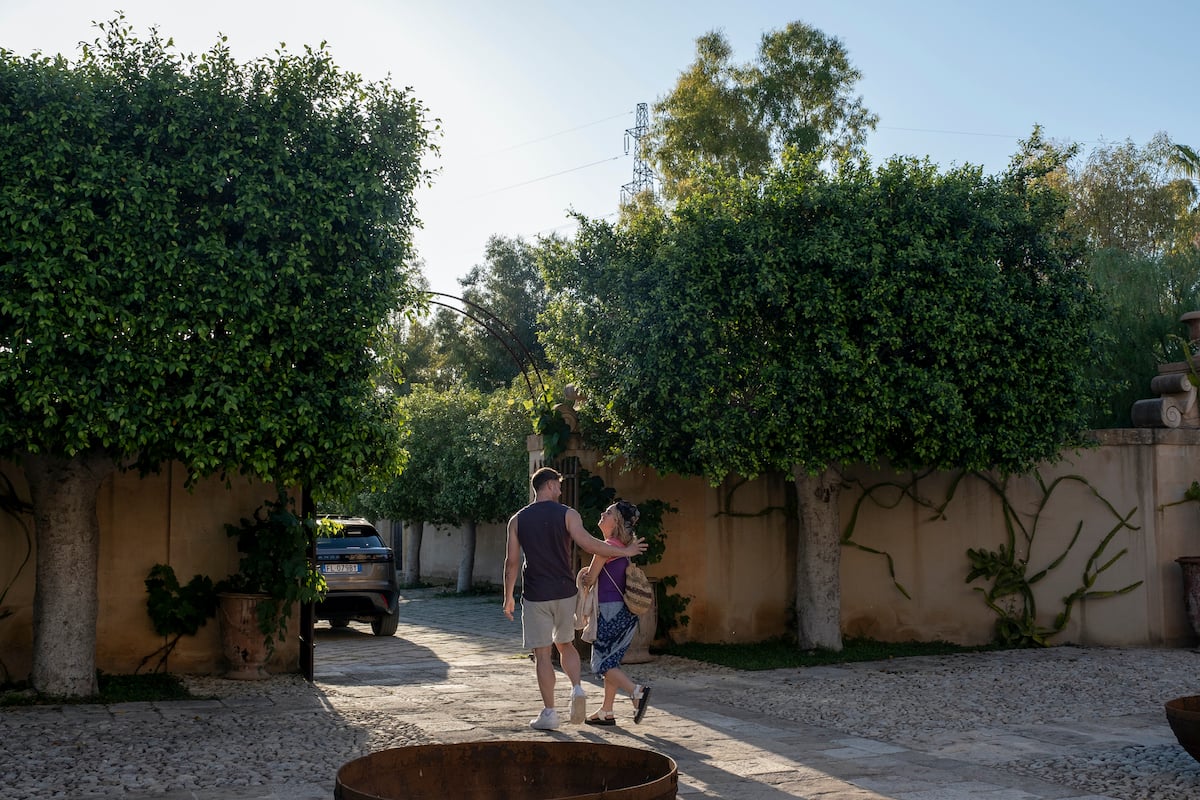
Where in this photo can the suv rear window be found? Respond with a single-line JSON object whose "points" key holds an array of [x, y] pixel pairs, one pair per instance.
{"points": [[351, 539]]}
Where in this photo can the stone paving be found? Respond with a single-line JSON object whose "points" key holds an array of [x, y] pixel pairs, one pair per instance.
{"points": [[1059, 724]]}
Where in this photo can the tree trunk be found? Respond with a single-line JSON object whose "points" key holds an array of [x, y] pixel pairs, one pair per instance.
{"points": [[68, 549], [466, 564], [818, 561], [413, 530]]}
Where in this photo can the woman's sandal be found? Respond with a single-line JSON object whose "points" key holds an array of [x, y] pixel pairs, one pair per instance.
{"points": [[642, 700], [596, 719]]}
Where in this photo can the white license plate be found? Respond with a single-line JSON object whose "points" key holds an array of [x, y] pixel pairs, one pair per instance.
{"points": [[327, 568]]}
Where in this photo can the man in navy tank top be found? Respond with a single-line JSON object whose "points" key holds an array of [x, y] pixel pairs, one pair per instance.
{"points": [[544, 530]]}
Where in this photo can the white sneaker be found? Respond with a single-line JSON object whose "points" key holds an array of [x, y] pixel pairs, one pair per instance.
{"points": [[546, 721], [578, 706]]}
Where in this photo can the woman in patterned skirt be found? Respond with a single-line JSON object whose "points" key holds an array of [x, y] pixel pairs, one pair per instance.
{"points": [[617, 624]]}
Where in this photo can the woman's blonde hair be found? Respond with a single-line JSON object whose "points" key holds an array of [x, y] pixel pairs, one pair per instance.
{"points": [[627, 518]]}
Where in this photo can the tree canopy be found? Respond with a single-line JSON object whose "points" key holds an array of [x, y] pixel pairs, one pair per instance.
{"points": [[466, 459], [1134, 204], [1129, 198], [467, 462], [494, 338], [198, 254], [198, 257], [740, 118], [925, 318], [811, 319]]}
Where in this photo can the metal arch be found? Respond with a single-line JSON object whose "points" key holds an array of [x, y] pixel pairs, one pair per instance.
{"points": [[487, 322]]}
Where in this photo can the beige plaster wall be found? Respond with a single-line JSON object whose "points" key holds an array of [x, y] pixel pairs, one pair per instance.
{"points": [[143, 521], [441, 552], [1130, 475], [733, 552], [731, 547]]}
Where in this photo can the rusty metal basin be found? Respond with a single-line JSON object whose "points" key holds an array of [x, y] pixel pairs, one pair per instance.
{"points": [[1183, 715], [509, 771]]}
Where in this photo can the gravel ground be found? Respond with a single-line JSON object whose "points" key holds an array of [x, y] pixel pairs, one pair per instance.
{"points": [[133, 749], [914, 701], [923, 703], [1131, 773], [930, 705]]}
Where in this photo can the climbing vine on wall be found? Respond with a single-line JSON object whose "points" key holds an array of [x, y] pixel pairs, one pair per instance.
{"points": [[549, 424], [726, 495], [1010, 577]]}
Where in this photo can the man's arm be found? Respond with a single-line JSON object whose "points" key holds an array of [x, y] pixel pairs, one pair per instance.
{"points": [[596, 546], [512, 563]]}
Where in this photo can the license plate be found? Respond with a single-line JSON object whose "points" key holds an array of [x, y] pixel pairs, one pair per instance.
{"points": [[327, 568]]}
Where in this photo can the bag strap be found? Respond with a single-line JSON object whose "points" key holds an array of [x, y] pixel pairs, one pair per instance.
{"points": [[611, 580]]}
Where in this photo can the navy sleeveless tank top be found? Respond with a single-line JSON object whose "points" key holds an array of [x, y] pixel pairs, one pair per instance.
{"points": [[542, 533]]}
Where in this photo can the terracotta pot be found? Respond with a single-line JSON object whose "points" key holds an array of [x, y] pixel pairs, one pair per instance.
{"points": [[242, 642]]}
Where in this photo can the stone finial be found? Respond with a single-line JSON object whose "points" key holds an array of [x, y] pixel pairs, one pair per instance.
{"points": [[566, 409], [1175, 407]]}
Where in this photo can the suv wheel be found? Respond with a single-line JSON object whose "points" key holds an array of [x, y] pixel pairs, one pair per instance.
{"points": [[387, 624]]}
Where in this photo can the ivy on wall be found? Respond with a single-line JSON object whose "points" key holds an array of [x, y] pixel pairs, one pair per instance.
{"points": [[548, 423], [1011, 578]]}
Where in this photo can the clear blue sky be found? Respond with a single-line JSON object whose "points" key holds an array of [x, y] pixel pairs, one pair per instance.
{"points": [[534, 97]]}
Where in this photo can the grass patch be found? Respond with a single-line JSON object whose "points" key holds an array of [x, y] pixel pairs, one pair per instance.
{"points": [[781, 653], [113, 689]]}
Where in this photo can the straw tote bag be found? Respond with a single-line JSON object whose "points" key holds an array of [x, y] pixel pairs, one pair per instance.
{"points": [[638, 594]]}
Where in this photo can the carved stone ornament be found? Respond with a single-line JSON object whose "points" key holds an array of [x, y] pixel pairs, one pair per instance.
{"points": [[1175, 406]]}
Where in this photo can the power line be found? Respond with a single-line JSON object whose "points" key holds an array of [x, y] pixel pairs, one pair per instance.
{"points": [[542, 139], [953, 133], [552, 135], [642, 176], [544, 177], [571, 224]]}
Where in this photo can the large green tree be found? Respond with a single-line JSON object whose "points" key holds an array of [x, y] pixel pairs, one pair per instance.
{"points": [[813, 320], [495, 339], [1185, 161], [411, 496], [797, 97], [1143, 298], [411, 351], [467, 465], [488, 479], [1129, 198], [1134, 206], [197, 257]]}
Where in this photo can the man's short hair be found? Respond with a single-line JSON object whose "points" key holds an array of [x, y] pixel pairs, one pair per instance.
{"points": [[543, 476]]}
